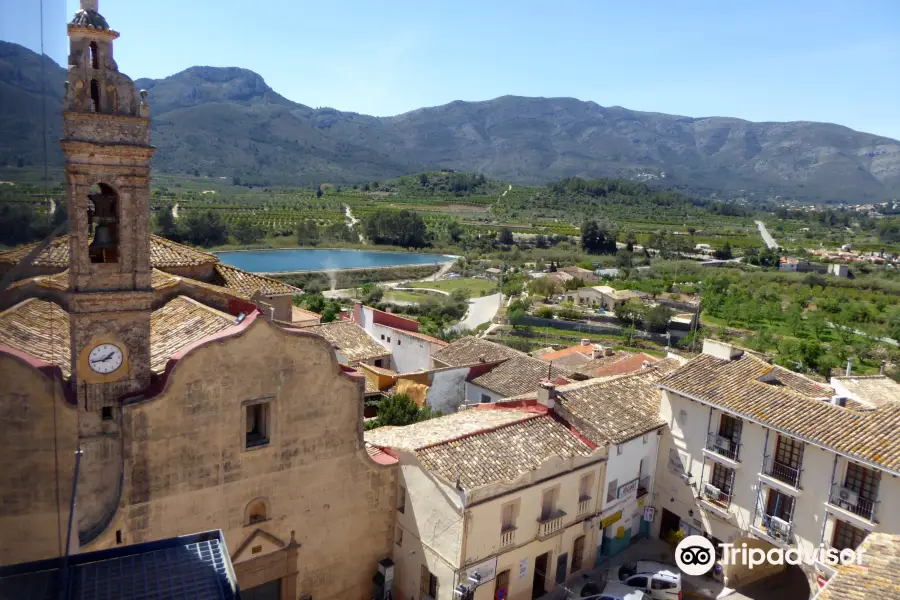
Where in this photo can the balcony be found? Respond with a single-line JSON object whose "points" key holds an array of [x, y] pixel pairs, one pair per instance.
{"points": [[507, 538], [723, 450], [716, 499], [781, 477], [551, 525], [775, 530], [584, 506], [857, 510]]}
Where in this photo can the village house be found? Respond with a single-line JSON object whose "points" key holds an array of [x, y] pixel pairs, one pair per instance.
{"points": [[603, 296], [502, 496], [174, 383], [410, 350], [577, 272], [757, 454]]}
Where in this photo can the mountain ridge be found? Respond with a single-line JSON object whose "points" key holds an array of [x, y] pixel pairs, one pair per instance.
{"points": [[228, 121]]}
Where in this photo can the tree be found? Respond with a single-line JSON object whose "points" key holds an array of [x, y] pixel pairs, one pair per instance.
{"points": [[204, 228], [506, 237], [657, 317], [399, 410], [724, 253], [319, 192], [540, 241], [165, 224], [370, 293], [632, 311], [245, 232], [307, 233], [515, 316], [545, 287], [544, 312], [396, 227]]}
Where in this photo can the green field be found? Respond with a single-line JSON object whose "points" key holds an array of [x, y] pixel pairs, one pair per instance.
{"points": [[475, 287]]}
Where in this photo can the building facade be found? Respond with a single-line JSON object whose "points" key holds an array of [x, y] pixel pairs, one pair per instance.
{"points": [[759, 455]]}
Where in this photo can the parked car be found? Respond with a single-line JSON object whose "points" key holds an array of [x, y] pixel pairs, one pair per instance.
{"points": [[608, 590], [658, 580]]}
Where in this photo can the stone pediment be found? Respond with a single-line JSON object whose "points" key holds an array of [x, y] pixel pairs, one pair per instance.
{"points": [[263, 543]]}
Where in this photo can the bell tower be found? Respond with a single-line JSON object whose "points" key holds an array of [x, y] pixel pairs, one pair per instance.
{"points": [[106, 141]]}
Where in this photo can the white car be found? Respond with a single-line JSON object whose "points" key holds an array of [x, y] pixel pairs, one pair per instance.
{"points": [[658, 580], [610, 590]]}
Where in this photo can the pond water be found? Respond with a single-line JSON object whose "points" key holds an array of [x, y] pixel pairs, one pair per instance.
{"points": [[307, 259]]}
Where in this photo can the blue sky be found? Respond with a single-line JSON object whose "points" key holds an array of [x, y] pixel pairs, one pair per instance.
{"points": [[815, 60]]}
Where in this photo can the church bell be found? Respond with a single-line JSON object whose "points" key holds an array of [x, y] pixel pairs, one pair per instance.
{"points": [[102, 238]]}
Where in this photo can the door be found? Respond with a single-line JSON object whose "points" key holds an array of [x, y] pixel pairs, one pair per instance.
{"points": [[577, 554], [540, 574], [562, 561], [501, 585], [266, 591]]}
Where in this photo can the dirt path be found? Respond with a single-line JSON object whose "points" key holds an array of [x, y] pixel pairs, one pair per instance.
{"points": [[353, 221]]}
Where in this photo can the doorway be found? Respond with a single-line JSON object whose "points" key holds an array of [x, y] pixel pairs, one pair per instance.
{"points": [[266, 591], [670, 522], [540, 575]]}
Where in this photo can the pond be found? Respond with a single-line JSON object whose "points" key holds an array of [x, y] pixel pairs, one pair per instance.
{"points": [[308, 259]]}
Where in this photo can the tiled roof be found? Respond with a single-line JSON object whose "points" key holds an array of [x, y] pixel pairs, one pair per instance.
{"points": [[587, 368], [248, 283], [418, 335], [615, 410], [628, 364], [869, 436], [434, 431], [300, 315], [504, 453], [519, 375], [470, 351], [350, 339], [581, 353], [163, 253], [178, 323], [380, 456], [38, 328], [878, 577], [872, 391]]}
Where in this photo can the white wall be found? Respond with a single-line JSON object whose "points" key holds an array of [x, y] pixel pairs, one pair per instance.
{"points": [[408, 353], [474, 392], [623, 468], [448, 390]]}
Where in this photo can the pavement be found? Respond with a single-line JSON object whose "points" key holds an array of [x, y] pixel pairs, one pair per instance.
{"points": [[789, 585], [481, 310], [766, 236]]}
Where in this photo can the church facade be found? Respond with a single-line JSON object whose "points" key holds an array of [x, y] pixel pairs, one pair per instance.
{"points": [[165, 382]]}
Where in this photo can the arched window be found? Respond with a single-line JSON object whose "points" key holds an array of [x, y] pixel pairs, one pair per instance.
{"points": [[95, 61], [103, 224], [95, 96], [257, 511]]}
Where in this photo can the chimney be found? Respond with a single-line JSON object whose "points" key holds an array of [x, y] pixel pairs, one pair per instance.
{"points": [[881, 370], [839, 401], [721, 350], [849, 365], [599, 351], [645, 364], [585, 342], [546, 394]]}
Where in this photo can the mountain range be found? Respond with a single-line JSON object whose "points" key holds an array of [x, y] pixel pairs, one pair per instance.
{"points": [[228, 122]]}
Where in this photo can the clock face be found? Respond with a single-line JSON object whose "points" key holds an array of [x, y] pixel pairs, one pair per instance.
{"points": [[105, 358]]}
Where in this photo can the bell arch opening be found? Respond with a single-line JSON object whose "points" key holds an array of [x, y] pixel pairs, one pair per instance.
{"points": [[95, 60], [103, 224]]}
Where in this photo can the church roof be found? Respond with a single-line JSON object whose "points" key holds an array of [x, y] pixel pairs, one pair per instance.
{"points": [[89, 18], [248, 283], [163, 253], [41, 329]]}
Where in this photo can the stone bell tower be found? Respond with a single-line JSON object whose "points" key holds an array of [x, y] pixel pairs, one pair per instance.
{"points": [[106, 141]]}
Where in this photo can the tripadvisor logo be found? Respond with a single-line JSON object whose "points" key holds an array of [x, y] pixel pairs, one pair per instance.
{"points": [[696, 555]]}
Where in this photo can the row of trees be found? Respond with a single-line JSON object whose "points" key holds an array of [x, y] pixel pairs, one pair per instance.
{"points": [[396, 227]]}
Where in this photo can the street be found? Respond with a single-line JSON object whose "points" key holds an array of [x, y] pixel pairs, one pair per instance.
{"points": [[766, 236], [481, 310]]}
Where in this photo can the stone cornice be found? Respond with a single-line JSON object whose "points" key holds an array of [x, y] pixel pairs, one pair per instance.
{"points": [[104, 116], [120, 150], [93, 31]]}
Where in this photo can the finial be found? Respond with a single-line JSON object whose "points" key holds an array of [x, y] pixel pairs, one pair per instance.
{"points": [[143, 96], [66, 93], [89, 5]]}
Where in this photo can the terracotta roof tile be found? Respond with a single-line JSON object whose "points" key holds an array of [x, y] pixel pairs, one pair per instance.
{"points": [[163, 253], [519, 375], [878, 577], [301, 315], [580, 351], [587, 368], [178, 323], [350, 339], [38, 328], [434, 431], [470, 351], [248, 283], [866, 435], [628, 364], [502, 454]]}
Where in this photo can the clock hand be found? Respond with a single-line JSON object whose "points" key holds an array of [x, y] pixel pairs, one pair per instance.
{"points": [[104, 359]]}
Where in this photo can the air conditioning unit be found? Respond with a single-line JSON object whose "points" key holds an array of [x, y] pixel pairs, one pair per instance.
{"points": [[848, 496], [723, 443]]}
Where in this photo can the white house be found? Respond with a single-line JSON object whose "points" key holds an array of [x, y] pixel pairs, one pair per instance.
{"points": [[410, 350], [757, 454]]}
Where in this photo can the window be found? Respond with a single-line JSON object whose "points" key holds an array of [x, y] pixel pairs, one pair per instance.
{"points": [[95, 96], [780, 506], [118, 536], [863, 481], [257, 420], [398, 341], [584, 487], [106, 413], [846, 536], [256, 512], [548, 503], [428, 584], [103, 223], [401, 500], [388, 339], [611, 490], [730, 427], [382, 337], [722, 477], [639, 582], [398, 537], [789, 452], [508, 514], [662, 584], [485, 398]]}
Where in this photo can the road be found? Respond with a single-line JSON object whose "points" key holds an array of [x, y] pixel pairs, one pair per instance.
{"points": [[481, 310], [766, 236]]}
